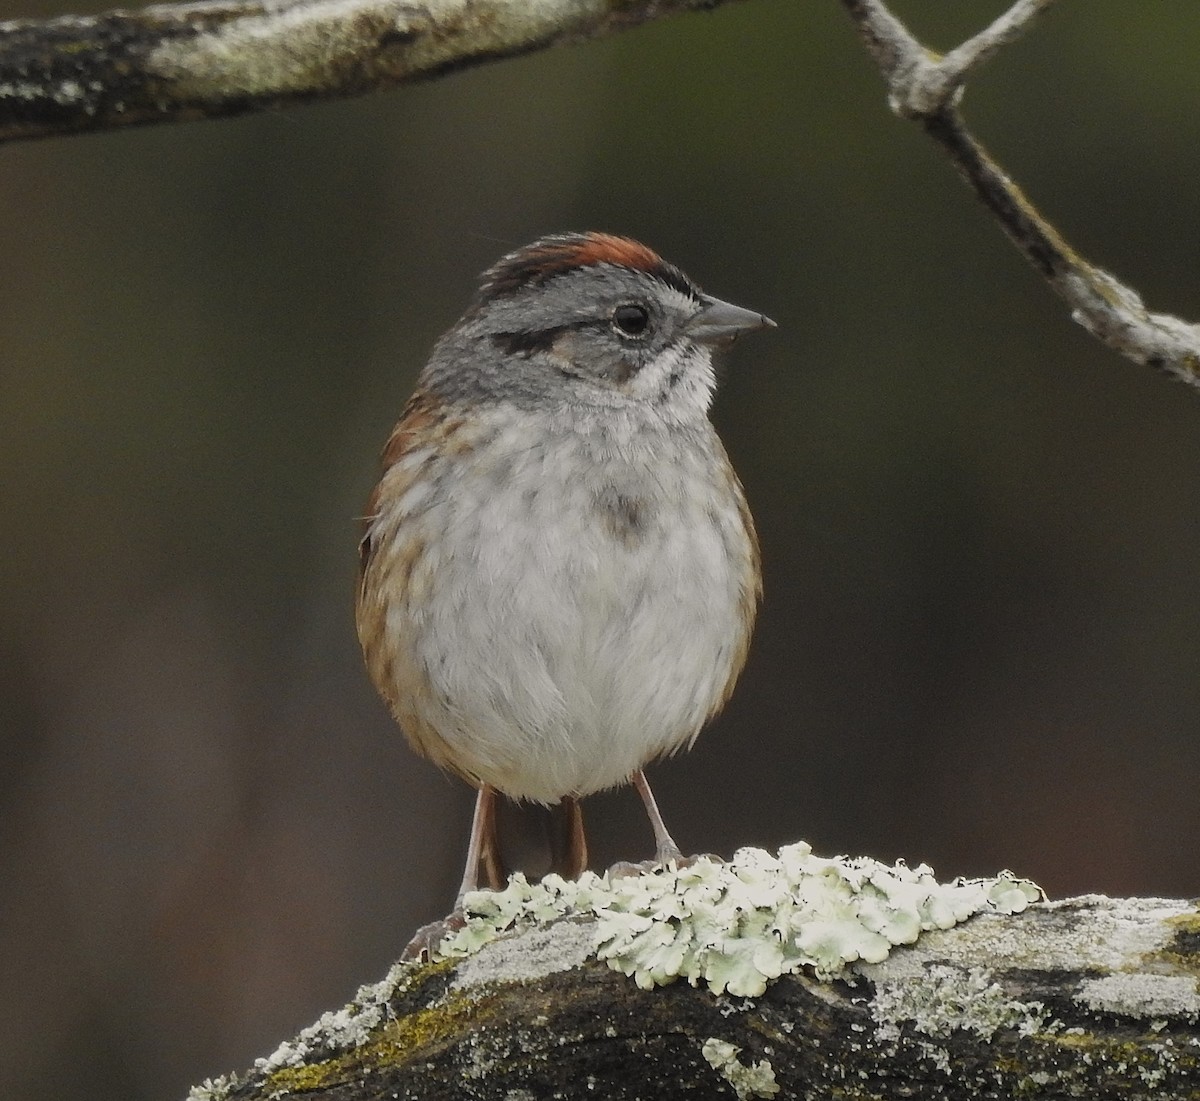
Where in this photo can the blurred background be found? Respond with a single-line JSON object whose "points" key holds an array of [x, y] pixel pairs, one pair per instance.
{"points": [[979, 644]]}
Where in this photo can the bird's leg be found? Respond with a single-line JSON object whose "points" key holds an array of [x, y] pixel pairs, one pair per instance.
{"points": [[568, 844], [665, 848], [483, 850], [483, 854]]}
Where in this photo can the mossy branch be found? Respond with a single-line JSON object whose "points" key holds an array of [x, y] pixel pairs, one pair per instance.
{"points": [[172, 62], [1089, 997], [926, 88]]}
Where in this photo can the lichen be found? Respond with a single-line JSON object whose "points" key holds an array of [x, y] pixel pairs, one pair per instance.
{"points": [[394, 1043], [954, 998], [1142, 996], [1183, 952], [748, 1080], [1154, 1062], [527, 957], [212, 1089], [732, 927], [736, 926], [348, 1027], [301, 48]]}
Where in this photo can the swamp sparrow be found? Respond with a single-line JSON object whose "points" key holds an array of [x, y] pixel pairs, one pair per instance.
{"points": [[559, 571]]}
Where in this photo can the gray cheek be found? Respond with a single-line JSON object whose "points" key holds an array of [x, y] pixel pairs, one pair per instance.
{"points": [[590, 355]]}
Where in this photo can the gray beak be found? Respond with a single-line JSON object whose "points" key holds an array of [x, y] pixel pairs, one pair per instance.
{"points": [[720, 322]]}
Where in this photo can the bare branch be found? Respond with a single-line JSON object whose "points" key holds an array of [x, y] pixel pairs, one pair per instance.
{"points": [[213, 58], [1007, 28], [920, 82], [926, 88]]}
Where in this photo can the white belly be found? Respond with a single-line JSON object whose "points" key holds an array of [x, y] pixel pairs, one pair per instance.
{"points": [[571, 625]]}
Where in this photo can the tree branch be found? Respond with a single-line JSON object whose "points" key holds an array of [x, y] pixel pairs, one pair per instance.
{"points": [[173, 62], [926, 89], [1089, 997]]}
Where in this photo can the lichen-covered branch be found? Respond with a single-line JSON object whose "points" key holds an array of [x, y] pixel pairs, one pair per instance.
{"points": [[678, 984], [925, 88], [211, 58]]}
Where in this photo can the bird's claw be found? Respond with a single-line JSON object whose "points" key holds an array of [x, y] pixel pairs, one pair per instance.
{"points": [[660, 862], [428, 938]]}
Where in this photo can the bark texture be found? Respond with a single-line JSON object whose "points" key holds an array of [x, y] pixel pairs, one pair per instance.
{"points": [[1089, 997], [172, 62]]}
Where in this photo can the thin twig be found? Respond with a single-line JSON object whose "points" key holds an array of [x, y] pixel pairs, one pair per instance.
{"points": [[988, 42], [926, 88]]}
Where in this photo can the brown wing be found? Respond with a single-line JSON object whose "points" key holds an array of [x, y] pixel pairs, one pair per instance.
{"points": [[747, 550], [393, 568], [417, 427]]}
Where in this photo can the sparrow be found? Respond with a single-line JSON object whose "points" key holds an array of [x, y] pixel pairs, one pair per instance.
{"points": [[559, 570]]}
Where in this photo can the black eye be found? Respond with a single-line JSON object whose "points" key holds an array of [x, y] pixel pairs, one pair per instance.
{"points": [[631, 319]]}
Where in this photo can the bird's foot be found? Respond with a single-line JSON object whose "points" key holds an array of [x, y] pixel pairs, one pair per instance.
{"points": [[661, 860], [429, 937], [623, 868]]}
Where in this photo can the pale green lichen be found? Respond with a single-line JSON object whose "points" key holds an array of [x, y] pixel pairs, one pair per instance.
{"points": [[211, 1089], [340, 1029], [732, 926], [748, 1080], [527, 957], [1140, 996], [736, 926], [305, 47], [952, 998]]}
